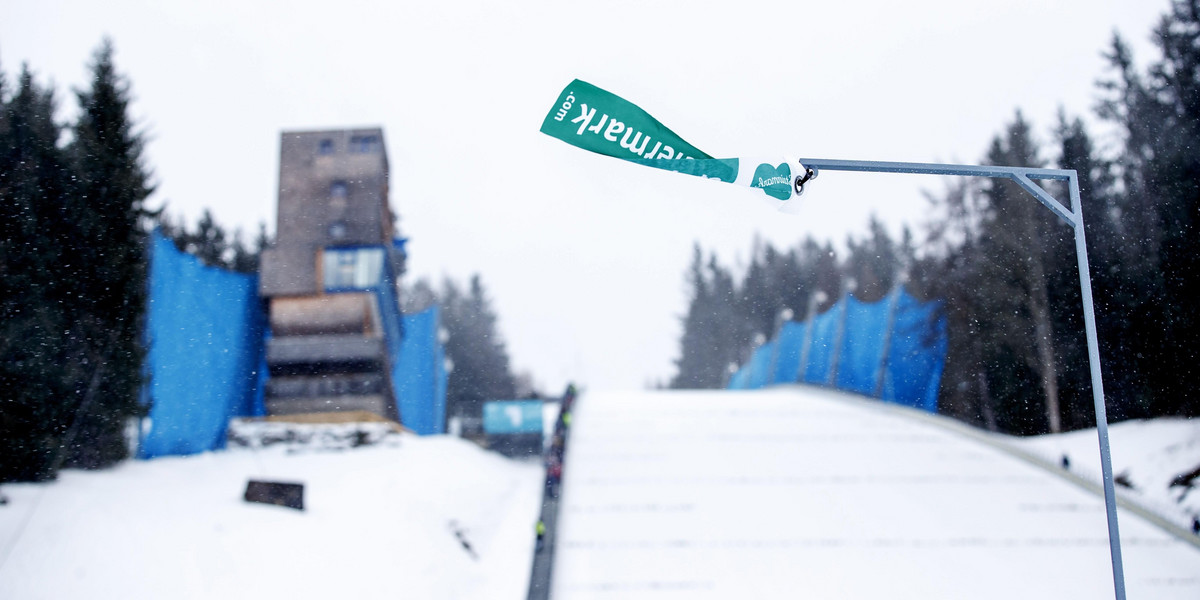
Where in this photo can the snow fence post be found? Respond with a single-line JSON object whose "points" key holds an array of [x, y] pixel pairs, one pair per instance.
{"points": [[815, 298], [834, 361], [893, 304]]}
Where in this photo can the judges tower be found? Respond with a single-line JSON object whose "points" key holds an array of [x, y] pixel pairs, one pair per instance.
{"points": [[330, 277]]}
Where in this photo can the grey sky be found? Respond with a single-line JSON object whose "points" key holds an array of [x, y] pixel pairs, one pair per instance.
{"points": [[583, 255]]}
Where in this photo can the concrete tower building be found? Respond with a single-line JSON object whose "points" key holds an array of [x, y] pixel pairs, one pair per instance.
{"points": [[330, 277]]}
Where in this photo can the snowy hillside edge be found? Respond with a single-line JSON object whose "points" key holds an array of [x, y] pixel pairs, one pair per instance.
{"points": [[1134, 457]]}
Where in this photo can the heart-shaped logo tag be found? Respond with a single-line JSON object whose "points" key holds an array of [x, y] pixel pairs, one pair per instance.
{"points": [[775, 181]]}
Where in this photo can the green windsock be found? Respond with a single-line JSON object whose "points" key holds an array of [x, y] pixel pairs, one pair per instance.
{"points": [[602, 122]]}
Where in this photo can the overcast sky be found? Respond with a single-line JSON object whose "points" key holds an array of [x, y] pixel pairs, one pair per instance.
{"points": [[583, 255]]}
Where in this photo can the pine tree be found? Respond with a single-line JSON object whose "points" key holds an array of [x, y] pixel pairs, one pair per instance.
{"points": [[481, 369], [242, 258], [40, 370], [1020, 240], [730, 334], [774, 285], [494, 373], [420, 296], [874, 262], [758, 300], [716, 334], [209, 242], [1160, 168], [694, 365], [110, 248], [261, 242], [826, 272], [1114, 308], [953, 274]]}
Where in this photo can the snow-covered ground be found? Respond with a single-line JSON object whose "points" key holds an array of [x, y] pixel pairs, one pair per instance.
{"points": [[779, 493], [379, 522], [797, 492], [1148, 455]]}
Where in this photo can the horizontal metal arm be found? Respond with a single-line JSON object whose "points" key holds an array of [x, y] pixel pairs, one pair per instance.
{"points": [[872, 166], [1021, 175]]}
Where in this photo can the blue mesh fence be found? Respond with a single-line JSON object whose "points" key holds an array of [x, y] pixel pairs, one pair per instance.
{"points": [[916, 355], [760, 366], [394, 327], [863, 339], [899, 339], [417, 361], [788, 345], [740, 379], [821, 346], [204, 328], [420, 374]]}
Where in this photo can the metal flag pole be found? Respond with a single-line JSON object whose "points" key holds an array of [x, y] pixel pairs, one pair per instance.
{"points": [[1024, 176]]}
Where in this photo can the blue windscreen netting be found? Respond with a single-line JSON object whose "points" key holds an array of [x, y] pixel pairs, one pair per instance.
{"points": [[205, 330], [863, 337], [916, 355], [420, 374], [819, 363], [417, 361], [739, 379], [760, 366], [788, 345], [894, 348], [204, 327]]}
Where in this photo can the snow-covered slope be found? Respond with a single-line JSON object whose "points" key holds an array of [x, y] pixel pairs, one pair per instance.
{"points": [[803, 492], [783, 493], [379, 522], [1149, 456]]}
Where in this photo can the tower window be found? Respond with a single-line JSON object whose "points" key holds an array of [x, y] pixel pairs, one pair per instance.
{"points": [[325, 147], [364, 144], [352, 268], [338, 190]]}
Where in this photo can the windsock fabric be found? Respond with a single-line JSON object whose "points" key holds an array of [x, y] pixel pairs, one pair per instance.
{"points": [[602, 122]]}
